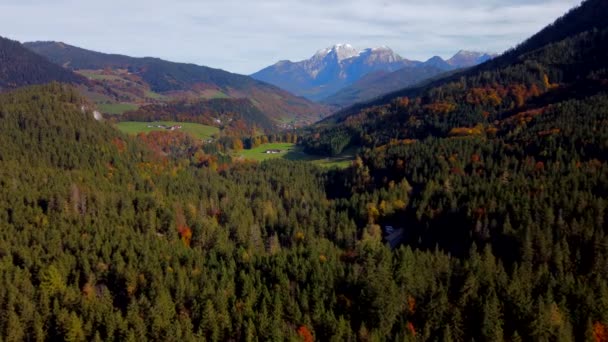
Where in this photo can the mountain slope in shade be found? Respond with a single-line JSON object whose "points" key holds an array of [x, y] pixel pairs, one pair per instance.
{"points": [[20, 67], [381, 83], [565, 61], [334, 69], [439, 63], [180, 79]]}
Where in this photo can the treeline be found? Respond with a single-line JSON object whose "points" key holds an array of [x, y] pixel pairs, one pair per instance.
{"points": [[328, 142], [285, 137]]}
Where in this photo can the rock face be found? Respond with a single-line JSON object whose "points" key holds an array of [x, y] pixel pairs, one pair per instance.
{"points": [[332, 69]]}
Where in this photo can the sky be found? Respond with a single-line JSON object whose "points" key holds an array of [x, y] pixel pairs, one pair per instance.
{"points": [[244, 36]]}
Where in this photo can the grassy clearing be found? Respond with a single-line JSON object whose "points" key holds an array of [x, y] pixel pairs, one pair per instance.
{"points": [[211, 94], [294, 152], [95, 75], [153, 95], [342, 161], [259, 153], [335, 162], [116, 108], [197, 130]]}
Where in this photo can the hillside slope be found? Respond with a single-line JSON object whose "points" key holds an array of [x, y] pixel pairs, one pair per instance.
{"points": [[381, 83], [20, 67], [541, 71], [177, 80], [128, 244], [234, 116]]}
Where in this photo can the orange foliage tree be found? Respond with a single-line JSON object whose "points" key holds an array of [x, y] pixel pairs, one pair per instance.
{"points": [[485, 96], [466, 131], [305, 334], [411, 329], [600, 332], [182, 228], [441, 107]]}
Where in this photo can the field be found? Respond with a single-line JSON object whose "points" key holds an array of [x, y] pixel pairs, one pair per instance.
{"points": [[213, 94], [98, 75], [197, 130], [294, 152], [259, 153]]}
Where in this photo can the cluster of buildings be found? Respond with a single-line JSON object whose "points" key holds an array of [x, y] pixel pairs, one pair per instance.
{"points": [[170, 128]]}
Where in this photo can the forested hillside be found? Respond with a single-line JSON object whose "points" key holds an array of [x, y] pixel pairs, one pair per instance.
{"points": [[104, 239], [20, 67]]}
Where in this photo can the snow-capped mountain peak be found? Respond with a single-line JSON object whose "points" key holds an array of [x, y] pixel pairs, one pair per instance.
{"points": [[333, 68], [339, 51]]}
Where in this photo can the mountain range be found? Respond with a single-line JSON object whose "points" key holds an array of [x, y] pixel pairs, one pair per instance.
{"points": [[119, 83], [332, 69], [133, 82]]}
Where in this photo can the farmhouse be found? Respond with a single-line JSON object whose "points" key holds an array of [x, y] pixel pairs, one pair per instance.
{"points": [[273, 151], [170, 128]]}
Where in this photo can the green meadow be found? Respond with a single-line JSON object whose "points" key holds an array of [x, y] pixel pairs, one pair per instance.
{"points": [[293, 152], [197, 130]]}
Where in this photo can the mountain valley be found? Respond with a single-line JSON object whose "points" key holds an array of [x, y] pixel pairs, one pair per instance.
{"points": [[448, 200]]}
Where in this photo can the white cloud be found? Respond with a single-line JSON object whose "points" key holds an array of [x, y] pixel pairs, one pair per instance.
{"points": [[244, 36]]}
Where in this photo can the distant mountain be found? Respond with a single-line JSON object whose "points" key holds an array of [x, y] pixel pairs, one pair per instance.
{"points": [[464, 59], [178, 80], [439, 63], [381, 83], [330, 70], [333, 69], [20, 67]]}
